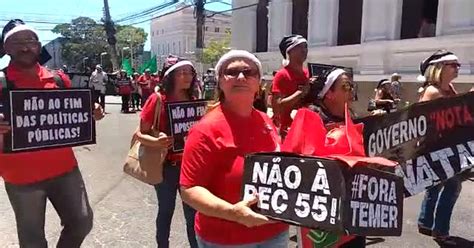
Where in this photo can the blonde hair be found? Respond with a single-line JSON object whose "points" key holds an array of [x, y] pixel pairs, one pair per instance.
{"points": [[433, 74]]}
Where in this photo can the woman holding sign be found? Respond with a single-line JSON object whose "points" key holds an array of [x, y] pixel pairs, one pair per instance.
{"points": [[437, 73], [213, 161], [178, 83]]}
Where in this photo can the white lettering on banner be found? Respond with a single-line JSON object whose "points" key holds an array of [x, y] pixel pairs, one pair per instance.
{"points": [[61, 118], [54, 104], [33, 104], [72, 103], [424, 174], [396, 134], [373, 202], [266, 199], [190, 112], [183, 127], [25, 121], [178, 113], [200, 111], [321, 180], [44, 135]]}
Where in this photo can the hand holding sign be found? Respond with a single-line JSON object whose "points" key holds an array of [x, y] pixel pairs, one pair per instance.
{"points": [[243, 214]]}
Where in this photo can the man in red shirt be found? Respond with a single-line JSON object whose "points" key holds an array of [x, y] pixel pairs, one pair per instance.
{"points": [[291, 83], [33, 177]]}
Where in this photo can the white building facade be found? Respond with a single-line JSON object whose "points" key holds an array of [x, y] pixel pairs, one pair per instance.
{"points": [[175, 33], [374, 37]]}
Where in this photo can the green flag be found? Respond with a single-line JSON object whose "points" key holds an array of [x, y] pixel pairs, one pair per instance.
{"points": [[127, 66], [150, 64]]}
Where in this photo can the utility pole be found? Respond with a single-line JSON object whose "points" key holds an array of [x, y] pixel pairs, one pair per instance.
{"points": [[110, 31], [200, 22]]}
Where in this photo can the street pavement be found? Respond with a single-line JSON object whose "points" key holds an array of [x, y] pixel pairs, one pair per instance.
{"points": [[125, 209]]}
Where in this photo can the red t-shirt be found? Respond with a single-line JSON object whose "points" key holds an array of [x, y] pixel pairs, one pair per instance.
{"points": [[214, 158], [31, 167], [147, 83], [148, 113], [285, 83]]}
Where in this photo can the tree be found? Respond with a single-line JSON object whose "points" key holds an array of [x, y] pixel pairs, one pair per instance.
{"points": [[84, 37], [132, 37], [214, 50]]}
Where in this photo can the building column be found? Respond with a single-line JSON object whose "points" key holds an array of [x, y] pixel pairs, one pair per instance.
{"points": [[322, 22], [381, 20], [279, 22], [244, 25], [455, 17]]}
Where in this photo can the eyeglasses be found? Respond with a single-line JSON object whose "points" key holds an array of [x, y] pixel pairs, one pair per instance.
{"points": [[234, 73], [453, 64]]}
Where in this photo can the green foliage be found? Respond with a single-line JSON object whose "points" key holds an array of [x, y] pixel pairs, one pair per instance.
{"points": [[87, 38], [215, 49]]}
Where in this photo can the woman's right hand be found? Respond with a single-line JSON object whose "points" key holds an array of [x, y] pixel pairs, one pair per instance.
{"points": [[243, 214]]}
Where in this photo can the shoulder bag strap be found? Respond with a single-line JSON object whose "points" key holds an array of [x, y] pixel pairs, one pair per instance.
{"points": [[156, 118]]}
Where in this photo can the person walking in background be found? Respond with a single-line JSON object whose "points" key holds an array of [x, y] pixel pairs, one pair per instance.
{"points": [[136, 97], [178, 85], [291, 83], [396, 85], [385, 101], [98, 82], [145, 82], [213, 161], [124, 86], [437, 73]]}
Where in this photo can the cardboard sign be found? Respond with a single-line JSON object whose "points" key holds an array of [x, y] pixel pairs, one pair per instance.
{"points": [[324, 194], [182, 116], [45, 119], [433, 141]]}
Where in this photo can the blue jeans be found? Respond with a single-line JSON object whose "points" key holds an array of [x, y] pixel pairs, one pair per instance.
{"points": [[443, 203], [279, 241], [68, 195], [166, 192]]}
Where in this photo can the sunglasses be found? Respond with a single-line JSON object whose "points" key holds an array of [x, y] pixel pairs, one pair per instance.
{"points": [[454, 64], [234, 73]]}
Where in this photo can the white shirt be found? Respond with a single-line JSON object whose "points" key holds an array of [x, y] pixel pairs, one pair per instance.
{"points": [[98, 81]]}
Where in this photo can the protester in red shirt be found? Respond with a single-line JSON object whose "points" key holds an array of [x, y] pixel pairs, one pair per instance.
{"points": [[145, 82], [33, 177], [213, 161], [291, 83], [178, 86]]}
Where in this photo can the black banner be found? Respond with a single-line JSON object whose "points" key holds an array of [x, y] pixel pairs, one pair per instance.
{"points": [[45, 119], [376, 202], [182, 116], [433, 141], [324, 194]]}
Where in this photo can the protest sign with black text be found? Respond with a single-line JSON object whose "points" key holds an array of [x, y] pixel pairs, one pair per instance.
{"points": [[182, 116], [433, 141], [45, 119]]}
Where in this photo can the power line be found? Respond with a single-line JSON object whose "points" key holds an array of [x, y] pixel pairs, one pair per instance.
{"points": [[147, 12], [155, 17]]}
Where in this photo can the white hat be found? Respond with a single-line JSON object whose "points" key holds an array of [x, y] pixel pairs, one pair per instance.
{"points": [[238, 54]]}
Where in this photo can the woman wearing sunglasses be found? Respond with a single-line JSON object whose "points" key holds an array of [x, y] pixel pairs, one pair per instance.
{"points": [[437, 73], [213, 160]]}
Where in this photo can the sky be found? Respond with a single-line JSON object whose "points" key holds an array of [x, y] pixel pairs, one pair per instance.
{"points": [[63, 11]]}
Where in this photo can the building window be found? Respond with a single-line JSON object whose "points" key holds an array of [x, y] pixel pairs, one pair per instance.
{"points": [[174, 48], [179, 47], [419, 19], [162, 31], [216, 29], [349, 22], [206, 28], [168, 48], [227, 30]]}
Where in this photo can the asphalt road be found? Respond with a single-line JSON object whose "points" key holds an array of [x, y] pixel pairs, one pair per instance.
{"points": [[125, 209]]}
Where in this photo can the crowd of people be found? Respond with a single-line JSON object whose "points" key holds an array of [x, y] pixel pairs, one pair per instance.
{"points": [[208, 173]]}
